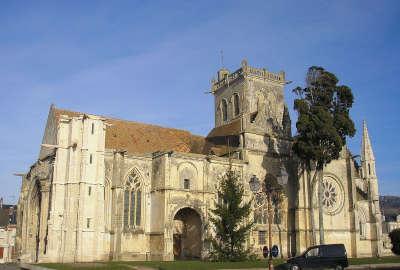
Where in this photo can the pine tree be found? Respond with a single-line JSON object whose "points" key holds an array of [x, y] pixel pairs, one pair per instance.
{"points": [[230, 220], [323, 124], [395, 239]]}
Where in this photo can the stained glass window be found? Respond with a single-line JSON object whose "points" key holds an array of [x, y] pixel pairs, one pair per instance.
{"points": [[132, 201], [126, 208], [139, 208], [132, 209]]}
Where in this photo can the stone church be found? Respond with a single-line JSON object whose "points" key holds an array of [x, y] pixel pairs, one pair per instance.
{"points": [[111, 189]]}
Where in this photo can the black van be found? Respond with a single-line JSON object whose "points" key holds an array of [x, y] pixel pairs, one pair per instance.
{"points": [[321, 257]]}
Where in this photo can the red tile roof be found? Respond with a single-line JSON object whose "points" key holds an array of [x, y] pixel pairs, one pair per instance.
{"points": [[136, 137]]}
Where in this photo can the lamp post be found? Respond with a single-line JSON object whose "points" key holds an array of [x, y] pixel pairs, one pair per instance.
{"points": [[271, 189]]}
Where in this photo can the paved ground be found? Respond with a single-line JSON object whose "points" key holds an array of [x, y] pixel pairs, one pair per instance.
{"points": [[9, 267]]}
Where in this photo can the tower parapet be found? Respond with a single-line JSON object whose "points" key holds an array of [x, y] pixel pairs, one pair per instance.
{"points": [[225, 78]]}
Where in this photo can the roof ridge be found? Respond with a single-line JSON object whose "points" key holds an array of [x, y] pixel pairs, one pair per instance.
{"points": [[129, 121]]}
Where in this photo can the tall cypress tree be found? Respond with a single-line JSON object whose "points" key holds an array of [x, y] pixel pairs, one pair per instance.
{"points": [[230, 220], [323, 124]]}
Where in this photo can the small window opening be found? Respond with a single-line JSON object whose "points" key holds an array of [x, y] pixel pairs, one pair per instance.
{"points": [[88, 223], [92, 128], [224, 110], [90, 158], [253, 117], [369, 169], [186, 183], [261, 238], [90, 191], [236, 104]]}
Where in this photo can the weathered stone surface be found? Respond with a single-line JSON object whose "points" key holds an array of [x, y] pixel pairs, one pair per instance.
{"points": [[85, 201]]}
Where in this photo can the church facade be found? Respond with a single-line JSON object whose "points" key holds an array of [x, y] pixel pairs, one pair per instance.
{"points": [[110, 189]]}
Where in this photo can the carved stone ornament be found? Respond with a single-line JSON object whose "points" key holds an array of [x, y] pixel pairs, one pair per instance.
{"points": [[41, 170], [332, 195]]}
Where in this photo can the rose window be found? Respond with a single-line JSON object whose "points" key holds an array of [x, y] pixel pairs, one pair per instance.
{"points": [[332, 195], [329, 196]]}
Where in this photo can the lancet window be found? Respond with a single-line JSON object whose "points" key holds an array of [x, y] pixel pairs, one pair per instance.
{"points": [[133, 201], [224, 108], [236, 104]]}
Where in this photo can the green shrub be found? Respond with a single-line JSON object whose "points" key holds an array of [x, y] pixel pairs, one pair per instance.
{"points": [[395, 239]]}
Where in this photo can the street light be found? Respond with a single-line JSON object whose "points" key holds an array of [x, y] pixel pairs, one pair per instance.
{"points": [[283, 176], [254, 184]]}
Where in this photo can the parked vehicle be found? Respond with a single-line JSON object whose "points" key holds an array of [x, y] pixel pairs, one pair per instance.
{"points": [[321, 257]]}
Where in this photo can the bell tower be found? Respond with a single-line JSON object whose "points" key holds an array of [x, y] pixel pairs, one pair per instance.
{"points": [[253, 97]]}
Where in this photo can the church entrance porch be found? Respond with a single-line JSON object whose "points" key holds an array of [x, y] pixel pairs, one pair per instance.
{"points": [[187, 234]]}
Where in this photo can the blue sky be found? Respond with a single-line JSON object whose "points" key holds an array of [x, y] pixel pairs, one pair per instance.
{"points": [[152, 62]]}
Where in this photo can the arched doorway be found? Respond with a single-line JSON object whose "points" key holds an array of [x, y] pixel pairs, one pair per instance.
{"points": [[187, 234]]}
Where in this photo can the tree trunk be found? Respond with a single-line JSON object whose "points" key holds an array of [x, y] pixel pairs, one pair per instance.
{"points": [[320, 208], [311, 206]]}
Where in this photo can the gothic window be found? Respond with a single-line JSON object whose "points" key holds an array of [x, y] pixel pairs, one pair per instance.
{"points": [[361, 224], [369, 169], [138, 207], [224, 108], [132, 201], [236, 104], [261, 216], [332, 195], [132, 209], [126, 208], [361, 229], [92, 128]]}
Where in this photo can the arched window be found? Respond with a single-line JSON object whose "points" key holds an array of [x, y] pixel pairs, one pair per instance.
{"points": [[362, 224], [132, 201], [224, 108], [236, 104]]}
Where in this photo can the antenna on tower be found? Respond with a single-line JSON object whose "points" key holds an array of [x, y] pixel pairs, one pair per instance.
{"points": [[222, 58]]}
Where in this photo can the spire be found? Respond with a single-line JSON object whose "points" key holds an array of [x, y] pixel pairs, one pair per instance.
{"points": [[366, 149]]}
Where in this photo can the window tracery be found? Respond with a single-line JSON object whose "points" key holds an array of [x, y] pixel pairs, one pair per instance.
{"points": [[332, 195], [132, 201]]}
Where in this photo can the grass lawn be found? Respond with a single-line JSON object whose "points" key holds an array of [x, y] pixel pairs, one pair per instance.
{"points": [[199, 265], [357, 261], [175, 265]]}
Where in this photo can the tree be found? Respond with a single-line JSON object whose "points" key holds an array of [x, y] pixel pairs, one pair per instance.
{"points": [[230, 219], [395, 239], [323, 124]]}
